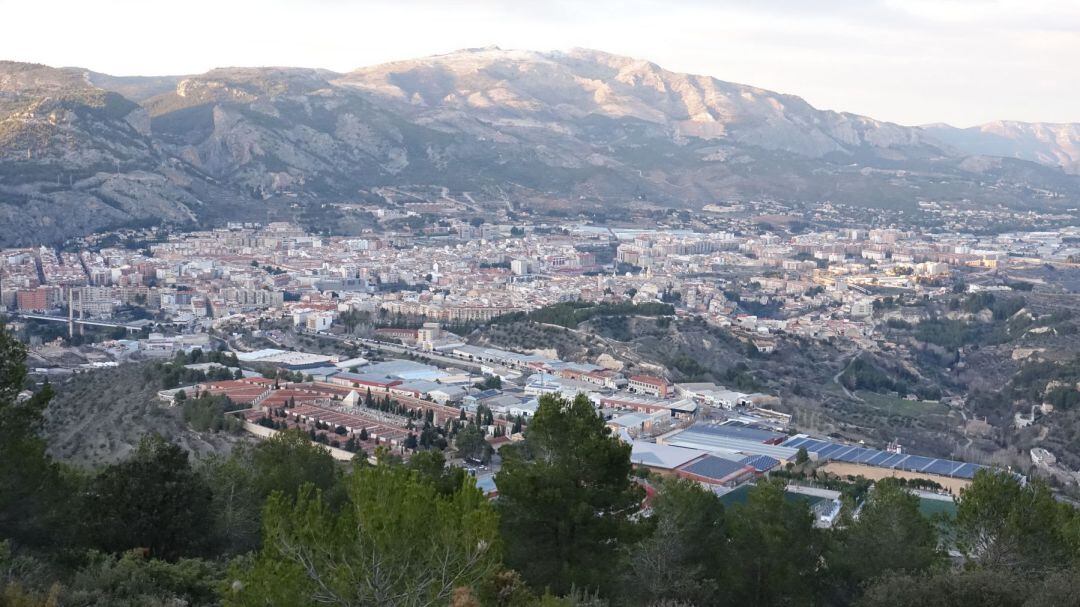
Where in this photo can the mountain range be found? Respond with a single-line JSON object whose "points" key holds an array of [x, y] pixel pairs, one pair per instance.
{"points": [[558, 132]]}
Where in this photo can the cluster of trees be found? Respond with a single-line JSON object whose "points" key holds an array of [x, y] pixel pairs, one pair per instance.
{"points": [[197, 355], [351, 319], [1001, 309], [471, 444], [954, 333], [152, 529], [281, 523], [1063, 398], [278, 374], [886, 303], [173, 374], [491, 382], [771, 309], [689, 366], [269, 269], [206, 412], [1047, 380], [862, 374]]}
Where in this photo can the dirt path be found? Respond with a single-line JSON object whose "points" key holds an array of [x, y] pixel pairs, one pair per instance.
{"points": [[836, 379]]}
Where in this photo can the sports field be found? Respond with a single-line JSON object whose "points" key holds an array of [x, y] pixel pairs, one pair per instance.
{"points": [[954, 485]]}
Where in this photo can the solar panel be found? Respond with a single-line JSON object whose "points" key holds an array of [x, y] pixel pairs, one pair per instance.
{"points": [[847, 455], [880, 457], [857, 455], [941, 466], [867, 455], [828, 451], [915, 463], [712, 467], [761, 463], [966, 471], [873, 457], [826, 446], [892, 460]]}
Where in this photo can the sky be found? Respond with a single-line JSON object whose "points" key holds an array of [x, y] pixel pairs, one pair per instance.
{"points": [[963, 62]]}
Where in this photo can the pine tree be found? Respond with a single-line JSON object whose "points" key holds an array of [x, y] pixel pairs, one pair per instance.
{"points": [[566, 499]]}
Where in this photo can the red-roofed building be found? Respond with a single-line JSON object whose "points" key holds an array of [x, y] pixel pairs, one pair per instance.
{"points": [[649, 384]]}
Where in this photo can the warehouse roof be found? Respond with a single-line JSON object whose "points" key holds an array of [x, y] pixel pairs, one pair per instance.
{"points": [[661, 456], [693, 439], [739, 430], [715, 468]]}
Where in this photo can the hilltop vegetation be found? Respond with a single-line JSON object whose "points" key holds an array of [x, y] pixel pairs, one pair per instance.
{"points": [[98, 417]]}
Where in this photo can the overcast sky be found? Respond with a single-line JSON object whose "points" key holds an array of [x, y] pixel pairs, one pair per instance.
{"points": [[908, 61]]}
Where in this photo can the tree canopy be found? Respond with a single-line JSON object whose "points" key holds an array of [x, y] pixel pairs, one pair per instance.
{"points": [[396, 541], [28, 479], [566, 498]]}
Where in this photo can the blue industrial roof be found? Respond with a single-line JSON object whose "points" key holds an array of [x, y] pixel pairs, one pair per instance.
{"points": [[828, 450], [713, 467], [761, 463]]}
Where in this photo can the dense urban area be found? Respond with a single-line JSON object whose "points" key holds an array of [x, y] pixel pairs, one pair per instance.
{"points": [[749, 406]]}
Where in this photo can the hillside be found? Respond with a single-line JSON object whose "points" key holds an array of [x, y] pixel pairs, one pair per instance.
{"points": [[1056, 145], [519, 90], [569, 131], [100, 417]]}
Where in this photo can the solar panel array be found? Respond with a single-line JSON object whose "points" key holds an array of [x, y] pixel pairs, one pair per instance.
{"points": [[761, 463], [713, 467], [826, 450]]}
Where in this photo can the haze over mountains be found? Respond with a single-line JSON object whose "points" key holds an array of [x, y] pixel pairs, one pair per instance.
{"points": [[82, 151]]}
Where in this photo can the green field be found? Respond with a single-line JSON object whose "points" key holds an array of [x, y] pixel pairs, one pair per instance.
{"points": [[932, 507], [894, 405], [738, 496]]}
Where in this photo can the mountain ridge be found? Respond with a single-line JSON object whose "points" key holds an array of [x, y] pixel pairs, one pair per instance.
{"points": [[1049, 143], [557, 131]]}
